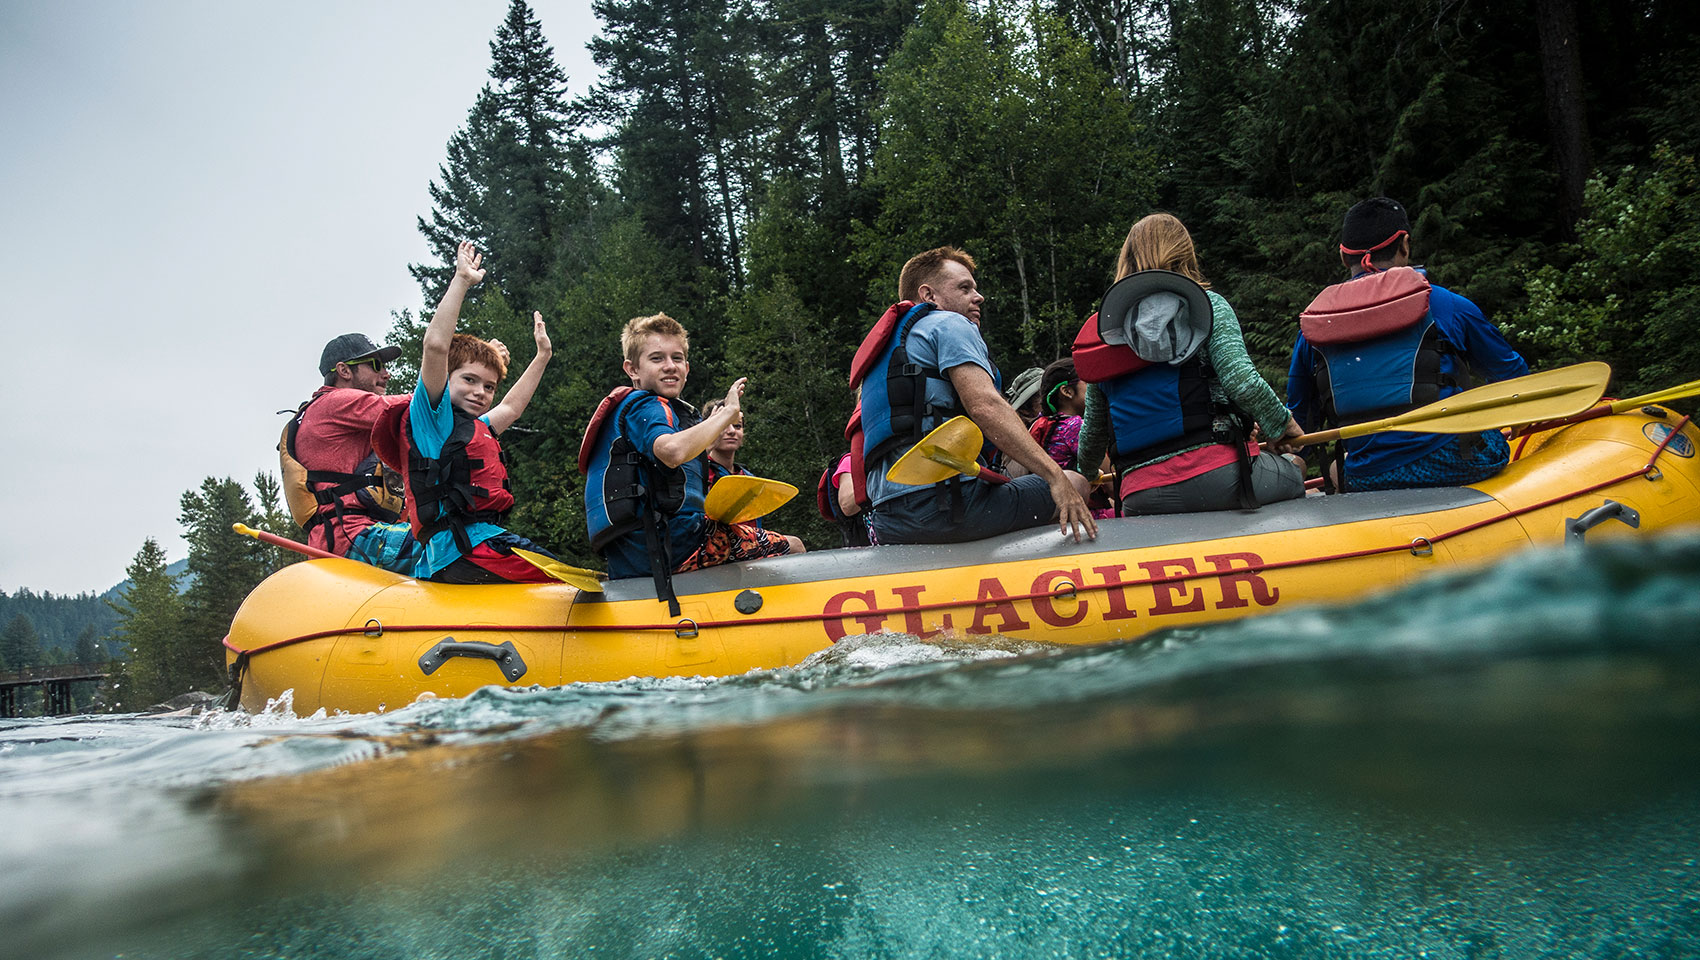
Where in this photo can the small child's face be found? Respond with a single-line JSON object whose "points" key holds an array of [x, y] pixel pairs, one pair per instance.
{"points": [[661, 367], [472, 388]]}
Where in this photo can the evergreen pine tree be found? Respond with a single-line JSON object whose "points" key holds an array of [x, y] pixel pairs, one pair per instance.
{"points": [[88, 647], [151, 628], [20, 644], [517, 182], [1033, 168], [680, 89], [274, 518], [224, 568]]}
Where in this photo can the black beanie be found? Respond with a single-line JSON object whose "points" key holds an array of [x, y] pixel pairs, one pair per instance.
{"points": [[1371, 222]]}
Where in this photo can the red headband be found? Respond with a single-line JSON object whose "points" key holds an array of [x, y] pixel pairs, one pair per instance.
{"points": [[1385, 243]]}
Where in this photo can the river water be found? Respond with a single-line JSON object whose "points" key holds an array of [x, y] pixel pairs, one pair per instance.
{"points": [[1505, 764]]}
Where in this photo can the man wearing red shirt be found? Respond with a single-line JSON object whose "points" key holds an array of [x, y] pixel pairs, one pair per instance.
{"points": [[335, 485]]}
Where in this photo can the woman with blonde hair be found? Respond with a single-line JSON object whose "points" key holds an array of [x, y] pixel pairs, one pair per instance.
{"points": [[1171, 390]]}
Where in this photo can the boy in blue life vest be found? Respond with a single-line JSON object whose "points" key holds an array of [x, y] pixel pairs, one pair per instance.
{"points": [[1387, 341], [644, 457], [445, 439]]}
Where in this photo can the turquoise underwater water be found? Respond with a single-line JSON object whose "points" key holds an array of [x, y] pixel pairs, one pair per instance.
{"points": [[1504, 764]]}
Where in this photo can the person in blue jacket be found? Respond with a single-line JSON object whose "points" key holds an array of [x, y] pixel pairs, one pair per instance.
{"points": [[1387, 341]]}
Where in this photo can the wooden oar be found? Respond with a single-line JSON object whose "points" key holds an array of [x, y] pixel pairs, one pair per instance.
{"points": [[949, 450], [587, 580], [1552, 395], [741, 498], [576, 576], [1689, 389]]}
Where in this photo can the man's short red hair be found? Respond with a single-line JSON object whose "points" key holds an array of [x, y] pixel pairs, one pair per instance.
{"points": [[925, 267]]}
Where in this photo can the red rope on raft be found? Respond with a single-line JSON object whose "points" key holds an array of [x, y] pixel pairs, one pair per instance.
{"points": [[949, 604]]}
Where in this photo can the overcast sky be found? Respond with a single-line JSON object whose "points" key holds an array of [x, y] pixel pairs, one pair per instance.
{"points": [[194, 198]]}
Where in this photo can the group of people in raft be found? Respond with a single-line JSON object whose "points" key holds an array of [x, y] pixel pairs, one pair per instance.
{"points": [[1159, 383]]}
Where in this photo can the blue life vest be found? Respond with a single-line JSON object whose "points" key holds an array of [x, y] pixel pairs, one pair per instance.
{"points": [[894, 406], [1377, 350], [893, 411], [625, 491], [1160, 409]]}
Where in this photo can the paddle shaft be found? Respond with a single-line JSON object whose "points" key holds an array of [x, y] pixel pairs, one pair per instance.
{"points": [[1689, 389], [1551, 395], [285, 543]]}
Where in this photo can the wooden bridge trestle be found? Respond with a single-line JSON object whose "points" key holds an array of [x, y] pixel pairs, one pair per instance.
{"points": [[55, 682]]}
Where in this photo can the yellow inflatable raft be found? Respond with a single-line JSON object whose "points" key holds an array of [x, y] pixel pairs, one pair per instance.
{"points": [[346, 636]]}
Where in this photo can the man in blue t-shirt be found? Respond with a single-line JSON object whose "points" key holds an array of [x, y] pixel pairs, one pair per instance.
{"points": [[947, 340], [1375, 238]]}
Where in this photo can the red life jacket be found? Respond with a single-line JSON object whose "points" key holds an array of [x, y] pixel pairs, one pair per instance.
{"points": [[467, 483], [598, 422], [1096, 361], [867, 357], [858, 475], [1043, 427], [891, 403], [1366, 308]]}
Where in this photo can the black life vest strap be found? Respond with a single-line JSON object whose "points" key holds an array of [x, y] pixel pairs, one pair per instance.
{"points": [[662, 497], [660, 548], [443, 491]]}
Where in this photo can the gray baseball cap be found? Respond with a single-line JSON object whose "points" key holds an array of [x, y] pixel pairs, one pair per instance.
{"points": [[353, 346]]}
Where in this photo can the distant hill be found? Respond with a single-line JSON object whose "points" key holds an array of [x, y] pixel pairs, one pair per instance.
{"points": [[177, 570], [60, 620]]}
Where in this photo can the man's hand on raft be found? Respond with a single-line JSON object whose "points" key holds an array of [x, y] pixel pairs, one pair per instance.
{"points": [[1073, 515]]}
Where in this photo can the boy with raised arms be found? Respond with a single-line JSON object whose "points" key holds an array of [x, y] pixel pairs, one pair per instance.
{"points": [[457, 485]]}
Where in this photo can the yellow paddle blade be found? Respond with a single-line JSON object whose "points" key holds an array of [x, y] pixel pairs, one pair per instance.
{"points": [[1551, 395], [741, 498], [949, 450], [579, 577], [1689, 389]]}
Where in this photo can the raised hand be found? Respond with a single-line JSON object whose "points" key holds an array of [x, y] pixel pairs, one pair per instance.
{"points": [[469, 264], [501, 351], [733, 396], [540, 333]]}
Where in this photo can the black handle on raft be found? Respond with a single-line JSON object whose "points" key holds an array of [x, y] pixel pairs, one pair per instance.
{"points": [[507, 658], [1576, 528]]}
